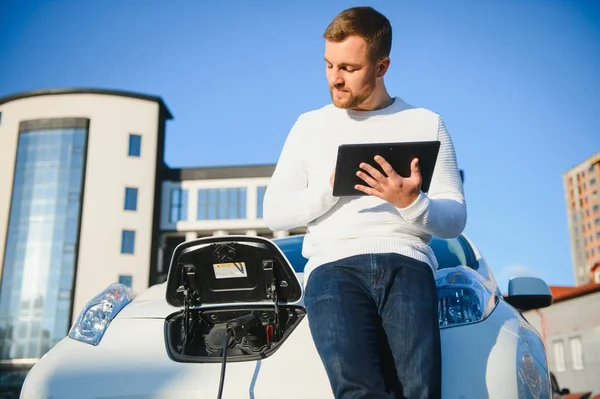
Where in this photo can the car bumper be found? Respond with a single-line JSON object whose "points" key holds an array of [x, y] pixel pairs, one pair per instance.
{"points": [[132, 362], [482, 360]]}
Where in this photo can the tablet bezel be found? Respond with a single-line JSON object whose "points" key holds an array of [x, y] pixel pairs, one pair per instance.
{"points": [[398, 154]]}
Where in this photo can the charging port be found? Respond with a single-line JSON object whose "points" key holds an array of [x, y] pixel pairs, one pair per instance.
{"points": [[238, 286], [259, 337]]}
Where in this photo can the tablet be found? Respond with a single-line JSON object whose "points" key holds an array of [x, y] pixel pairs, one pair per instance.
{"points": [[398, 155]]}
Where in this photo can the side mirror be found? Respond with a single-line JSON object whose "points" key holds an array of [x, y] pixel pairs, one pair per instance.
{"points": [[527, 293], [565, 391]]}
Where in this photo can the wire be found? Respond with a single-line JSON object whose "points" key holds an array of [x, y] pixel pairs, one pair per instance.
{"points": [[223, 363]]}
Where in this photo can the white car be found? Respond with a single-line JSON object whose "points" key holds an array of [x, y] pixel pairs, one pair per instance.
{"points": [[246, 291]]}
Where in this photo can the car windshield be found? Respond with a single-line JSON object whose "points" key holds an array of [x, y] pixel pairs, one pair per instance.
{"points": [[449, 252]]}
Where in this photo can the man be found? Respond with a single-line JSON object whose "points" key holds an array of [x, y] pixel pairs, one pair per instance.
{"points": [[370, 292]]}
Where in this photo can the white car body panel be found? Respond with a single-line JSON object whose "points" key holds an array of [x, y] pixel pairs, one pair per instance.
{"points": [[497, 358], [132, 361]]}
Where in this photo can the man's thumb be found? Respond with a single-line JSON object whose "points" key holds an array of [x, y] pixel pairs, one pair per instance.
{"points": [[414, 168]]}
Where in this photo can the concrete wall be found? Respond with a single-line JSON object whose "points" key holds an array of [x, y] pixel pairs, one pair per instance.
{"points": [[573, 318], [108, 171]]}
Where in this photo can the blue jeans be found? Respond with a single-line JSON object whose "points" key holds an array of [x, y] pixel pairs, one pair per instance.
{"points": [[374, 322]]}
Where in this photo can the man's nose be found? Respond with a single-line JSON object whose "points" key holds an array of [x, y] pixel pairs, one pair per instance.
{"points": [[336, 80]]}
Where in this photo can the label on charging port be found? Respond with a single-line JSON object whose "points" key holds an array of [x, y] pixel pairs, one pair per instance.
{"points": [[230, 270]]}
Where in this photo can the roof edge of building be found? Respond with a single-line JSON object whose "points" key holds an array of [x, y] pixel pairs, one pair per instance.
{"points": [[590, 160], [87, 90], [220, 172], [574, 292]]}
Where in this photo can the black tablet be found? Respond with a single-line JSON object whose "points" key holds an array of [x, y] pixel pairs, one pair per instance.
{"points": [[398, 155]]}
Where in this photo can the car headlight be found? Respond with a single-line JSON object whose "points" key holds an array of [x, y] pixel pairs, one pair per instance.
{"points": [[464, 297], [99, 312]]}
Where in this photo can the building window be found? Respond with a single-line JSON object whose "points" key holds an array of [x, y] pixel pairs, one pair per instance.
{"points": [[592, 182], [135, 145], [222, 203], [576, 354], [125, 279], [596, 208], [131, 195], [128, 242], [260, 196], [559, 355], [42, 234], [179, 205]]}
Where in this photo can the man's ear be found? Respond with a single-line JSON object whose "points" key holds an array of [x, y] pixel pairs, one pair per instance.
{"points": [[383, 66]]}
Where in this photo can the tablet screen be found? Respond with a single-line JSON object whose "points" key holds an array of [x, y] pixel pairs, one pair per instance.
{"points": [[398, 155]]}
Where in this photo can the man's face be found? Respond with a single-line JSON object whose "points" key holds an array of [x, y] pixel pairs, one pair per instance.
{"points": [[351, 74]]}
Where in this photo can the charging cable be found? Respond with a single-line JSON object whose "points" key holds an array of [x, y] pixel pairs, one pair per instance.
{"points": [[228, 338], [236, 330]]}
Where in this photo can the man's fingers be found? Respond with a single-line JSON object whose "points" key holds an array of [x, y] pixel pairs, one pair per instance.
{"points": [[368, 179], [368, 191], [372, 171], [387, 168]]}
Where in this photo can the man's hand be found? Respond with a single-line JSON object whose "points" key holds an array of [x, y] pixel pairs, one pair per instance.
{"points": [[393, 188], [332, 179]]}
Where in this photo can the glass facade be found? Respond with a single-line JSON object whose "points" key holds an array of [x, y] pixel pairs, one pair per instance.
{"points": [[40, 255], [222, 203]]}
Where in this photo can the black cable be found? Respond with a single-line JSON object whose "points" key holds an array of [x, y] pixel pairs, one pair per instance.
{"points": [[224, 362], [237, 329]]}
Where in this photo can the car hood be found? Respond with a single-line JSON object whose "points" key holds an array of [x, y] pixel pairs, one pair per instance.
{"points": [[151, 304]]}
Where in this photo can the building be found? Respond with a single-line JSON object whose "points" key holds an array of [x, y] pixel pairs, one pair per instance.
{"points": [[200, 202], [79, 173], [570, 328], [87, 200], [581, 185]]}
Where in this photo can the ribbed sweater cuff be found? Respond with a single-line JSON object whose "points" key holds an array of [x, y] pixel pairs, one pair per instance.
{"points": [[416, 209]]}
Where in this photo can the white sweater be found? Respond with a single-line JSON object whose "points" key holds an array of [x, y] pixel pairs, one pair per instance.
{"points": [[299, 192]]}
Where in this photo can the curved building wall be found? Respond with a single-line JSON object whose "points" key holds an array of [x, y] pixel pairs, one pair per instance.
{"points": [[78, 186]]}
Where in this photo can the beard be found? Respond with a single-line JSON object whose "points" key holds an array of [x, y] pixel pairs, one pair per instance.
{"points": [[350, 99]]}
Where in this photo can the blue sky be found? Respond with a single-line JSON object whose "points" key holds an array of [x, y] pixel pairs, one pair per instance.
{"points": [[516, 81]]}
